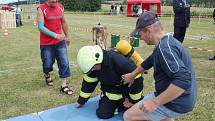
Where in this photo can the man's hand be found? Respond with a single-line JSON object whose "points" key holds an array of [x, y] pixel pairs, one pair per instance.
{"points": [[77, 105], [60, 37], [128, 79], [148, 106], [68, 41], [127, 104]]}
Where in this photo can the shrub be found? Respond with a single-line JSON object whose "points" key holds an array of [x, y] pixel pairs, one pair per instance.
{"points": [[82, 5]]}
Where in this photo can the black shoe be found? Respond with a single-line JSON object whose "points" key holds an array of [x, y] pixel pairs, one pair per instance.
{"points": [[212, 58]]}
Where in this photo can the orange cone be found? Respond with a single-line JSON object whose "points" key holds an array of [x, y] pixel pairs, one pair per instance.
{"points": [[5, 34], [35, 23]]}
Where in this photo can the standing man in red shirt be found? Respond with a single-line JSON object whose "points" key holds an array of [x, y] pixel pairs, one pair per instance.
{"points": [[54, 37]]}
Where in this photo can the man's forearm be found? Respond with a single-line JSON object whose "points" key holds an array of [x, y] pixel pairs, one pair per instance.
{"points": [[42, 28], [65, 29], [171, 93], [46, 30], [137, 71]]}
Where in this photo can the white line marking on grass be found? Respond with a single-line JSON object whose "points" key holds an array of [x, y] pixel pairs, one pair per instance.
{"points": [[72, 64], [24, 69], [114, 25], [195, 37], [191, 38], [205, 78], [121, 19]]}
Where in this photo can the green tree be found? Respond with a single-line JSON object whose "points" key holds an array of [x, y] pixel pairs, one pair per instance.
{"points": [[82, 5]]}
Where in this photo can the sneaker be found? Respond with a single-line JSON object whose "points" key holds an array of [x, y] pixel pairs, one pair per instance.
{"points": [[212, 58]]}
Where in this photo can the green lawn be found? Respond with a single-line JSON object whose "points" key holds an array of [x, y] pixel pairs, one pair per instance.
{"points": [[169, 9], [23, 89]]}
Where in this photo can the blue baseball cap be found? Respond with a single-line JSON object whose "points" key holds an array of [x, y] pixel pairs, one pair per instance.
{"points": [[144, 20]]}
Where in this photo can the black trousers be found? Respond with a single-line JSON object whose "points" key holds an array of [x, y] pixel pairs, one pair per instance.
{"points": [[107, 107], [179, 33]]}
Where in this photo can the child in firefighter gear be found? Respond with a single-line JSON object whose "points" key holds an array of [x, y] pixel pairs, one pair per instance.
{"points": [[107, 67]]}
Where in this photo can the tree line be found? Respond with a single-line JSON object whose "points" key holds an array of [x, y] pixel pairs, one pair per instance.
{"points": [[73, 5], [82, 5]]}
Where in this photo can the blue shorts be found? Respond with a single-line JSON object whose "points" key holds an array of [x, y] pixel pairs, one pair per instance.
{"points": [[161, 112], [59, 52]]}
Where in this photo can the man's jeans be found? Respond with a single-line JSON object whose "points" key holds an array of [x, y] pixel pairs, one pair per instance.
{"points": [[18, 19], [59, 52]]}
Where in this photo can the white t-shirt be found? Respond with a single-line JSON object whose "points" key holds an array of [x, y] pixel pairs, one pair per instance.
{"points": [[17, 10]]}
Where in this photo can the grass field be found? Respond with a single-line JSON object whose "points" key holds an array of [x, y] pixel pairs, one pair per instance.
{"points": [[23, 89], [169, 9]]}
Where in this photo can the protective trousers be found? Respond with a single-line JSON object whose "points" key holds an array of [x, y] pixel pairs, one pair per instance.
{"points": [[108, 107]]}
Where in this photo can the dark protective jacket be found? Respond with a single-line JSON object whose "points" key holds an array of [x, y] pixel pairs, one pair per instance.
{"points": [[113, 66], [182, 13], [214, 14]]}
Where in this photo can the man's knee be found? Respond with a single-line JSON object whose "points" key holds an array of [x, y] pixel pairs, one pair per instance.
{"points": [[47, 66], [126, 116], [102, 114]]}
